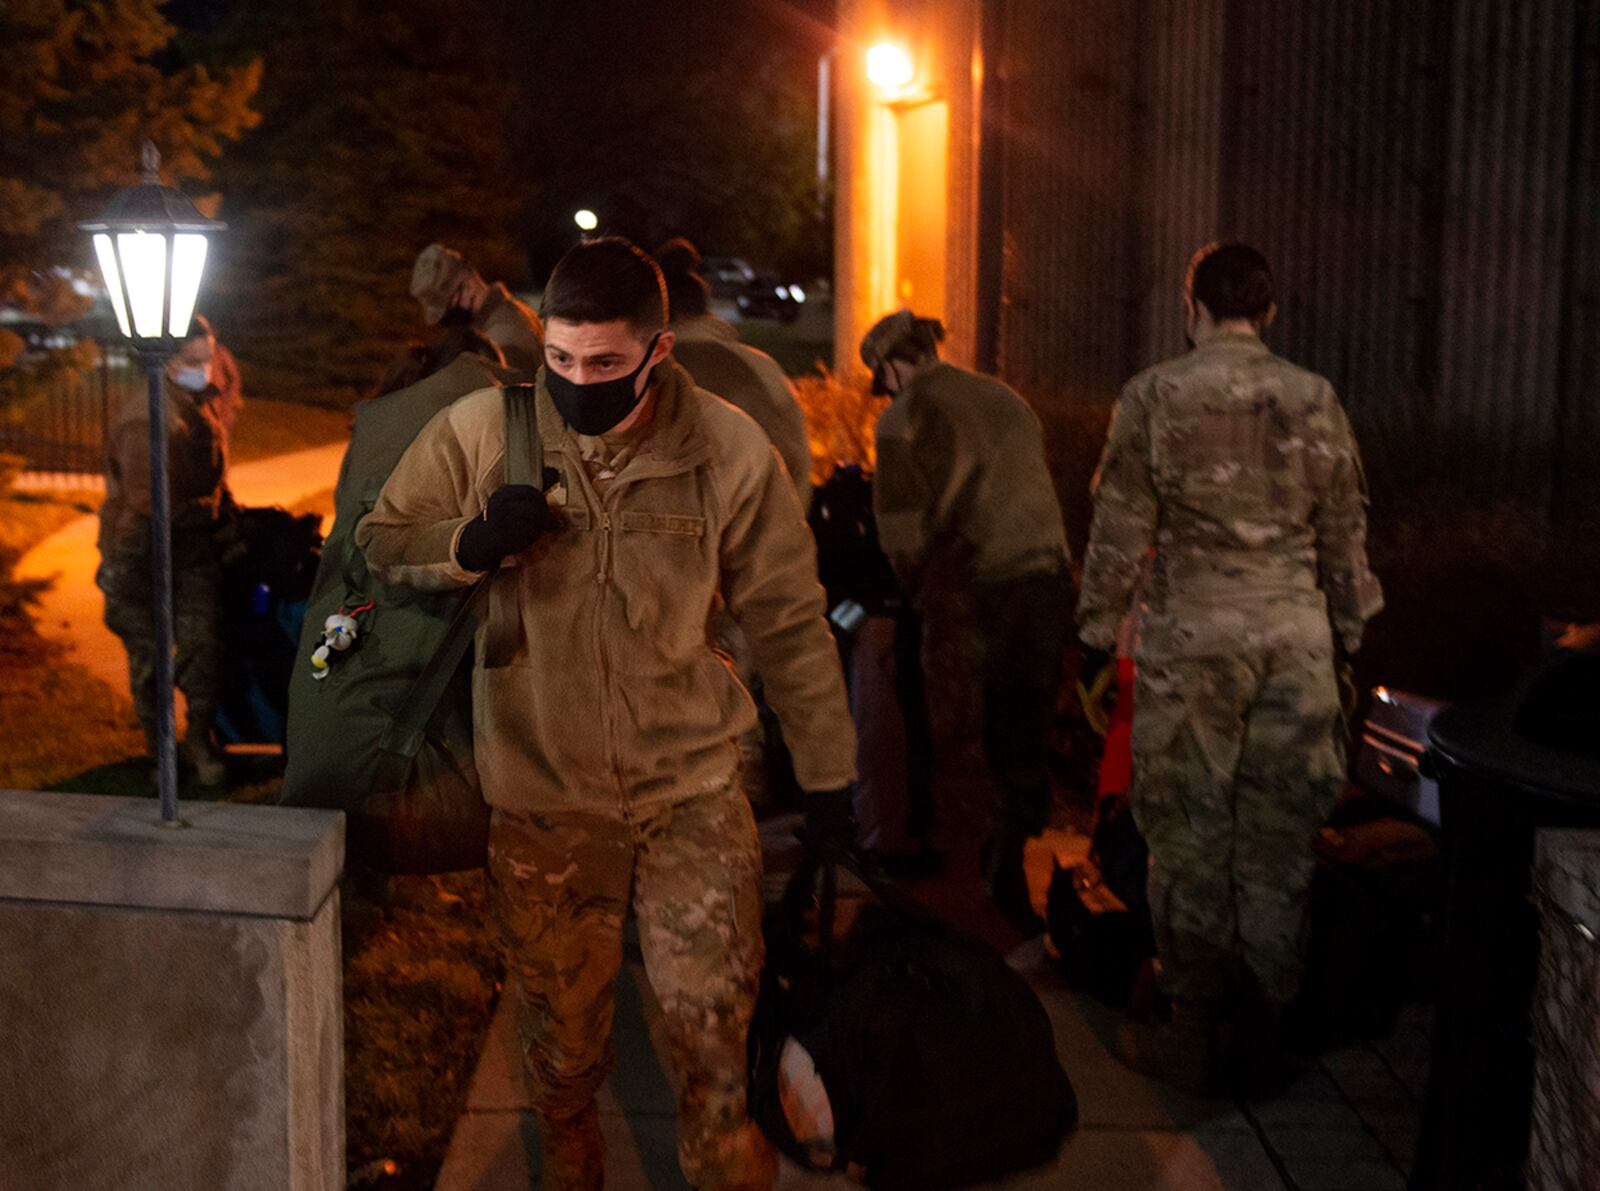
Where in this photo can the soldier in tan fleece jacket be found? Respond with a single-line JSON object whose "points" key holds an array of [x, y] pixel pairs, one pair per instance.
{"points": [[605, 722]]}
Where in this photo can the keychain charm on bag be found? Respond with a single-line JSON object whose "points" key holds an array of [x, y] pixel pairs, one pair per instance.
{"points": [[339, 633]]}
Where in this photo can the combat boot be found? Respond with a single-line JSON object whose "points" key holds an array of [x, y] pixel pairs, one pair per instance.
{"points": [[202, 756], [1008, 883], [1190, 1052], [199, 752], [1263, 1063], [571, 1151]]}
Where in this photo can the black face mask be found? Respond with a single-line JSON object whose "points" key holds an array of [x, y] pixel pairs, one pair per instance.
{"points": [[596, 408]]}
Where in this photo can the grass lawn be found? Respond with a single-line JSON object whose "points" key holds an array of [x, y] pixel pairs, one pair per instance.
{"points": [[420, 972]]}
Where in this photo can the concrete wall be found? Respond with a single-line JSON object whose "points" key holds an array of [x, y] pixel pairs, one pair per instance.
{"points": [[170, 1007]]}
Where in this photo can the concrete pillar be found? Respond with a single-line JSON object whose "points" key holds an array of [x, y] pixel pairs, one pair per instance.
{"points": [[170, 999]]}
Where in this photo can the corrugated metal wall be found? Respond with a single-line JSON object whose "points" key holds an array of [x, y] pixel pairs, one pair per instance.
{"points": [[1422, 175], [1069, 297], [1505, 207], [1578, 415], [1178, 141]]}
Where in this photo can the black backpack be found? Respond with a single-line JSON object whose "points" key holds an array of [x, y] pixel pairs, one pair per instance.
{"points": [[269, 561], [938, 1059]]}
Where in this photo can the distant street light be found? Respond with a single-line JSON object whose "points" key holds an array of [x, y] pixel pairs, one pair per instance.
{"points": [[586, 220], [889, 67], [151, 245]]}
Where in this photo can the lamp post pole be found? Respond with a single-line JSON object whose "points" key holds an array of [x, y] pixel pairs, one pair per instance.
{"points": [[161, 574], [151, 246]]}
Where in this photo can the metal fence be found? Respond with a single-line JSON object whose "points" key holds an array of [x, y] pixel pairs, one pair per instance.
{"points": [[63, 429]]}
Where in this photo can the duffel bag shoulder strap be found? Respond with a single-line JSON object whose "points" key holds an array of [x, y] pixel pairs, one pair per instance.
{"points": [[524, 461], [524, 447]]}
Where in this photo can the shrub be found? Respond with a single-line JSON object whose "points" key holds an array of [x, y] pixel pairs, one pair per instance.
{"points": [[841, 413]]}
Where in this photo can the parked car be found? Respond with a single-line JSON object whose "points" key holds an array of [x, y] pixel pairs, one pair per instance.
{"points": [[38, 337], [726, 275], [767, 295]]}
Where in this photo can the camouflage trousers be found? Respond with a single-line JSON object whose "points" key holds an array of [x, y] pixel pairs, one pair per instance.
{"points": [[560, 887], [124, 577], [1238, 758]]}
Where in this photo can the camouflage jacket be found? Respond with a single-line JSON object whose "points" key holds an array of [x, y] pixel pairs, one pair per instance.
{"points": [[197, 464], [1240, 471], [962, 492]]}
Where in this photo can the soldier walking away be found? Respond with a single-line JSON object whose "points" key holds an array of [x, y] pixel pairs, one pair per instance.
{"points": [[1240, 471], [966, 509], [709, 350], [453, 293], [198, 462], [741, 375], [604, 721]]}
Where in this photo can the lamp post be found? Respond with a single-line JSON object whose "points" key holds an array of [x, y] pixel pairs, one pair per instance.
{"points": [[151, 246]]}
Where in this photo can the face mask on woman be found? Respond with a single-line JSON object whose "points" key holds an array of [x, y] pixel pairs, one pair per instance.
{"points": [[194, 379]]}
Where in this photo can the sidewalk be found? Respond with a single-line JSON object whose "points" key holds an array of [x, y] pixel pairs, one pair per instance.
{"points": [[71, 610], [1348, 1126]]}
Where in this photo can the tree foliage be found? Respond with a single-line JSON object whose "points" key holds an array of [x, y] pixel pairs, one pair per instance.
{"points": [[695, 118], [383, 130], [80, 87]]}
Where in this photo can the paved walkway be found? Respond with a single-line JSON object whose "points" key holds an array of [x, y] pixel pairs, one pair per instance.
{"points": [[1348, 1126], [71, 610]]}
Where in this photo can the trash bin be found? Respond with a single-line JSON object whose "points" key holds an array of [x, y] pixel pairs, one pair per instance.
{"points": [[1506, 770], [1564, 1145]]}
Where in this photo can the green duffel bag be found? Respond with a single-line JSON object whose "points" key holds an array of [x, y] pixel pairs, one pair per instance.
{"points": [[385, 733]]}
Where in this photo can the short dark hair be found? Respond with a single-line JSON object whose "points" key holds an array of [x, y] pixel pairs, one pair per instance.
{"points": [[688, 294], [1232, 281], [920, 343], [606, 279], [419, 361]]}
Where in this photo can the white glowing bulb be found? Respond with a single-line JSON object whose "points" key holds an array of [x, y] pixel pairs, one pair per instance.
{"points": [[107, 255], [586, 219], [889, 66], [188, 262]]}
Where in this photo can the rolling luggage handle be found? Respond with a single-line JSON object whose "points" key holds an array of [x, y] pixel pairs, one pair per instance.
{"points": [[824, 859]]}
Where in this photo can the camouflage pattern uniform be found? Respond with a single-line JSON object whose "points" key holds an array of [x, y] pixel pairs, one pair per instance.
{"points": [[561, 884], [197, 462], [1240, 470]]}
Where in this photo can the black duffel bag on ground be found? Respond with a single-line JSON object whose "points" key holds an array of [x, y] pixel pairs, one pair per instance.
{"points": [[937, 1059]]}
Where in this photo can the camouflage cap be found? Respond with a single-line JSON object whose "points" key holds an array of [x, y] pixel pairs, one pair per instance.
{"points": [[435, 278], [888, 333]]}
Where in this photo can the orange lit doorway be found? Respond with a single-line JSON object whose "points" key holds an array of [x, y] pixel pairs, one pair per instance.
{"points": [[924, 131]]}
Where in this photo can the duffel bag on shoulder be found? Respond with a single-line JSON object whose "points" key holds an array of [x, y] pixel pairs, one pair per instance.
{"points": [[386, 735]]}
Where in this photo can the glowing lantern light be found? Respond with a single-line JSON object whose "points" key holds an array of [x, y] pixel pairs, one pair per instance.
{"points": [[586, 219], [889, 67]]}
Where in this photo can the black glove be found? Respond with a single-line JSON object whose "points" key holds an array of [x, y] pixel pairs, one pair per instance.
{"points": [[831, 819], [516, 517]]}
